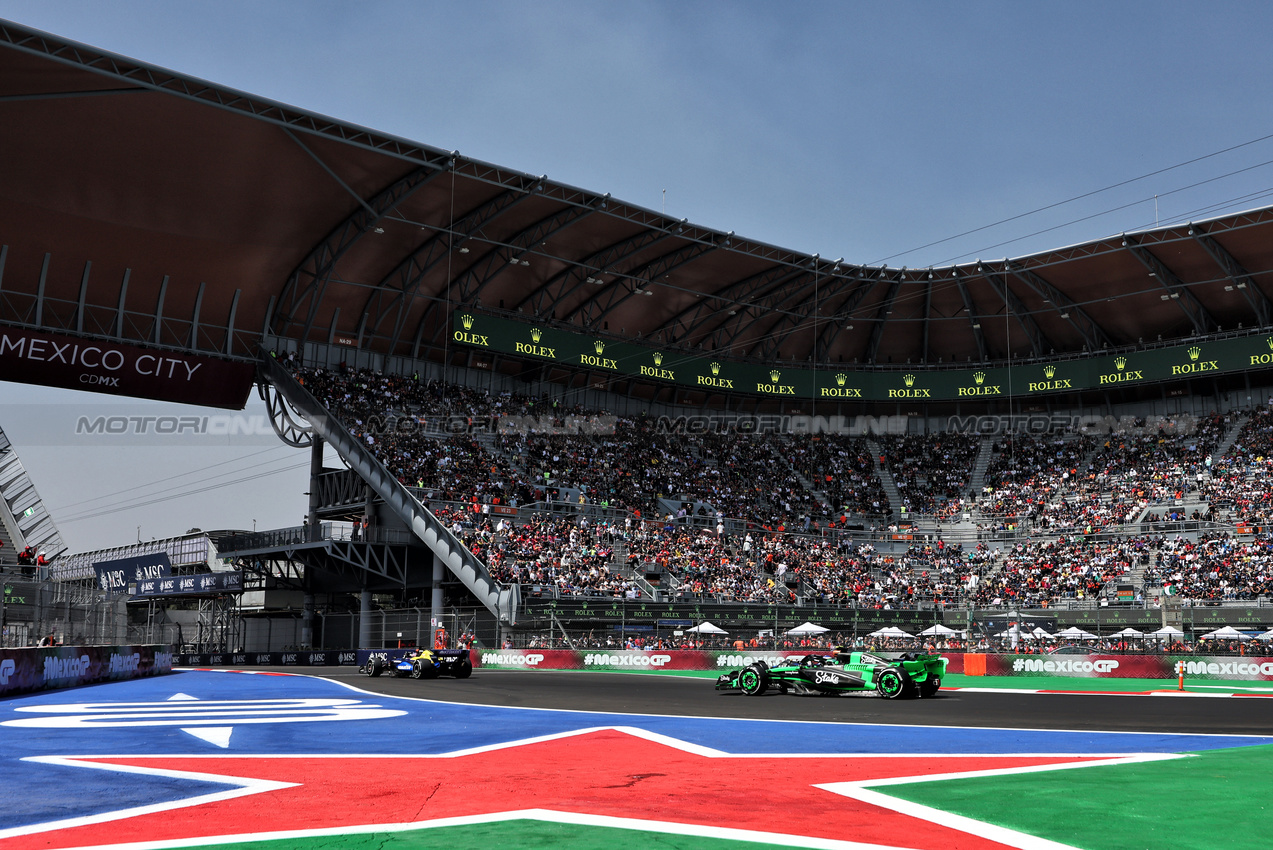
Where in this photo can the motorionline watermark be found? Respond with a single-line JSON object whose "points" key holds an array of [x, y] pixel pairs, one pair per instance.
{"points": [[253, 427], [716, 423], [380, 426], [1056, 423], [215, 425]]}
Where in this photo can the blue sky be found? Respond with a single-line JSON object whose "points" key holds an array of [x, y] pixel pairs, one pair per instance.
{"points": [[874, 132]]}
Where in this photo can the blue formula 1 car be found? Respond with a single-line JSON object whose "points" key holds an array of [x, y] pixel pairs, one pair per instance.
{"points": [[842, 672], [421, 664]]}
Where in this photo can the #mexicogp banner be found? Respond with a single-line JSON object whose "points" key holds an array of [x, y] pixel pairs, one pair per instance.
{"points": [[625, 359], [1060, 666]]}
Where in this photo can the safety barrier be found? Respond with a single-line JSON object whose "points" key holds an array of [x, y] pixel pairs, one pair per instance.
{"points": [[47, 668]]}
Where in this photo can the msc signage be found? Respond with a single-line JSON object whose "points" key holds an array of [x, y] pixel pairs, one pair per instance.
{"points": [[115, 576], [193, 585]]}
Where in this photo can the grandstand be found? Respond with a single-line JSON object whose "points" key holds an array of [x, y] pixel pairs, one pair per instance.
{"points": [[557, 412]]}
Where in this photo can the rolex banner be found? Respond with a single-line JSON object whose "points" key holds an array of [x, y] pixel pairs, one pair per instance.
{"points": [[570, 349]]}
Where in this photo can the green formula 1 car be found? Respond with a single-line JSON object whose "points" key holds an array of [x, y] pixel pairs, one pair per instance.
{"points": [[911, 675]]}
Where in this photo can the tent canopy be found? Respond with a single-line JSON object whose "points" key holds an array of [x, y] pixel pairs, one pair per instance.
{"points": [[1075, 633], [890, 631], [808, 628], [706, 628], [1226, 633], [938, 629], [1129, 632]]}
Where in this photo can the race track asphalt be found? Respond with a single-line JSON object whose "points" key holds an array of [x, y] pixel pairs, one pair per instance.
{"points": [[695, 697]]}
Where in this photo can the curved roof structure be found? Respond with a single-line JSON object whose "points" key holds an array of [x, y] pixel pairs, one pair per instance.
{"points": [[139, 204]]}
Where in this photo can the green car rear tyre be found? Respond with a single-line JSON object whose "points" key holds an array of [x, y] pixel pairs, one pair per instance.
{"points": [[929, 686], [894, 684]]}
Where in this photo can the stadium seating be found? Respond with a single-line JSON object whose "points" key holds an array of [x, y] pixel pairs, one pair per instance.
{"points": [[763, 514]]}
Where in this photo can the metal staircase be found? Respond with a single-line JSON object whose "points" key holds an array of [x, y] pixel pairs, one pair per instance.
{"points": [[886, 477], [499, 600], [985, 453], [24, 520], [1230, 436]]}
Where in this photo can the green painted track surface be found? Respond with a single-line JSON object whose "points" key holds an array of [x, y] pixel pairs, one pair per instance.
{"points": [[515, 833], [1220, 798]]}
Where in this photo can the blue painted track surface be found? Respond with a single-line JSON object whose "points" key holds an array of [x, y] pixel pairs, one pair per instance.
{"points": [[272, 714]]}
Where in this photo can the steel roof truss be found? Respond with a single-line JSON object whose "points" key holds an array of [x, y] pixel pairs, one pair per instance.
{"points": [[1233, 270], [973, 320], [1176, 289], [1093, 334], [647, 274], [309, 280], [881, 312], [1038, 340]]}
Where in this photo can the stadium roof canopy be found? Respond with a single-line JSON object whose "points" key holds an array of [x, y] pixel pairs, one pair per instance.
{"points": [[140, 204]]}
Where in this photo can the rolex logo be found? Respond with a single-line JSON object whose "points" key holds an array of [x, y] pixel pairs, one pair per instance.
{"points": [[1049, 372], [840, 379], [1269, 340], [468, 322], [658, 358], [979, 377], [1194, 352], [535, 334], [909, 380], [715, 368], [774, 375], [1120, 363], [598, 346]]}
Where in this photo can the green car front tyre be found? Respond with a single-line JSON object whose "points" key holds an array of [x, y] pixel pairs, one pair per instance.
{"points": [[754, 679]]}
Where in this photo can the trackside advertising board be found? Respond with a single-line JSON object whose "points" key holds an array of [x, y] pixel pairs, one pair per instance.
{"points": [[1059, 666], [115, 576], [1127, 666], [47, 668]]}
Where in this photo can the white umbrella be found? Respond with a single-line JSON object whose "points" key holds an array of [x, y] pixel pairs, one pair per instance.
{"points": [[808, 629], [1226, 633], [706, 628], [1167, 632], [890, 631], [1129, 632], [1075, 633], [939, 629], [1041, 633]]}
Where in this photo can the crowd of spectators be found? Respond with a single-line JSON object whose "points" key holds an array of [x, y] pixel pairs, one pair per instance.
{"points": [[843, 468], [932, 472], [1214, 568], [1238, 488], [1142, 471], [1068, 488], [1027, 471]]}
